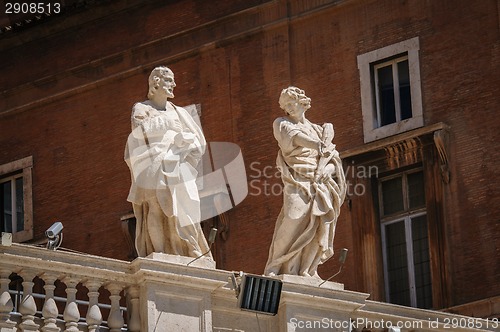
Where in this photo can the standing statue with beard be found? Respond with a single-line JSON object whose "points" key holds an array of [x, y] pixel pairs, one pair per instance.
{"points": [[162, 153], [314, 189]]}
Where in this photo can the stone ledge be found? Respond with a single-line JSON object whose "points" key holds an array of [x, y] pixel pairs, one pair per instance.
{"points": [[309, 281], [385, 142], [203, 262]]}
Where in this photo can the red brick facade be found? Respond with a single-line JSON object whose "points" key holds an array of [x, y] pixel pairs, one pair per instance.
{"points": [[68, 85]]}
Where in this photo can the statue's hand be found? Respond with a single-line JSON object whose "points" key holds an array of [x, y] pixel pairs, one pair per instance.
{"points": [[175, 126], [325, 174], [321, 147], [328, 133], [182, 139]]}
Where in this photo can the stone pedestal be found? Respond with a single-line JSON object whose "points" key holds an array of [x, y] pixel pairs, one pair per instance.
{"points": [[175, 296], [305, 305]]}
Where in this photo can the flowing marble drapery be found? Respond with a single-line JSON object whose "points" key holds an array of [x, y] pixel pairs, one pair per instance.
{"points": [[305, 228], [162, 153]]}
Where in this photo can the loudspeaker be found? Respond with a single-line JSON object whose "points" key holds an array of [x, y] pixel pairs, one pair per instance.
{"points": [[260, 294]]}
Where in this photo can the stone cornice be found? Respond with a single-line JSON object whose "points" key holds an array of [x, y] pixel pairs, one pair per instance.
{"points": [[386, 142]]}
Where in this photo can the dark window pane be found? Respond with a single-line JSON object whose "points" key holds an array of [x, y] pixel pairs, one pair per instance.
{"points": [[6, 206], [392, 196], [386, 95], [404, 90], [421, 260], [19, 205], [416, 190], [397, 264]]}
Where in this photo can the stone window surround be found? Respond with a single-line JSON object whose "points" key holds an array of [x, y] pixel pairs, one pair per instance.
{"points": [[371, 131], [25, 165]]}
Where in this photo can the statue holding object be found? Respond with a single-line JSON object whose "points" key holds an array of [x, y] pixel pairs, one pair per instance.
{"points": [[314, 189], [162, 152]]}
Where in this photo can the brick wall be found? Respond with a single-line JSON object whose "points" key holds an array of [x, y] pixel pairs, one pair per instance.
{"points": [[68, 86]]}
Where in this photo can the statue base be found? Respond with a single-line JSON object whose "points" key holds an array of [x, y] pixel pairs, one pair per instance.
{"points": [[309, 281], [203, 262]]}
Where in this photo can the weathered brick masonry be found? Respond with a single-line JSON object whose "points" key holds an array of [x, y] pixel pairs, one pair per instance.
{"points": [[68, 84]]}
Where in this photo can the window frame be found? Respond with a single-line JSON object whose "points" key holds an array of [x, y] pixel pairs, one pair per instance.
{"points": [[21, 168], [425, 147], [371, 117], [396, 87], [406, 203], [405, 216], [12, 179], [409, 256]]}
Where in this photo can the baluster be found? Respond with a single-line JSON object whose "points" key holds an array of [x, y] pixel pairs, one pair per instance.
{"points": [[134, 319], [71, 313], [94, 316], [49, 310], [115, 319], [6, 304], [27, 307]]}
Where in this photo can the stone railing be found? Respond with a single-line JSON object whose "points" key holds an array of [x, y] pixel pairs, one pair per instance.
{"points": [[45, 290], [34, 305]]}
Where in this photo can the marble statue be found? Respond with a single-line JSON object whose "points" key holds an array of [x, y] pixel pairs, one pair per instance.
{"points": [[162, 153], [314, 189]]}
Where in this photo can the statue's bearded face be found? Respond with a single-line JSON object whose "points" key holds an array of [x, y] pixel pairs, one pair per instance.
{"points": [[161, 83], [294, 101], [298, 102], [166, 85], [303, 100]]}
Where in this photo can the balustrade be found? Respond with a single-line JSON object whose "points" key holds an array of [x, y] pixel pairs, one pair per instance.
{"points": [[28, 306], [115, 319], [6, 304], [49, 311], [94, 316], [56, 291], [27, 316], [134, 321], [68, 297]]}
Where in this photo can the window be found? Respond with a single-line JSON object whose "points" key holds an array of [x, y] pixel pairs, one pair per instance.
{"points": [[12, 204], [16, 199], [402, 226], [390, 90], [405, 242]]}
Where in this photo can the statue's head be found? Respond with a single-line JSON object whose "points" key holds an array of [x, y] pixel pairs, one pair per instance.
{"points": [[292, 96], [161, 80]]}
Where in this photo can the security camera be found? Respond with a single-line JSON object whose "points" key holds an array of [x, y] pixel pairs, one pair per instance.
{"points": [[54, 230], [54, 234]]}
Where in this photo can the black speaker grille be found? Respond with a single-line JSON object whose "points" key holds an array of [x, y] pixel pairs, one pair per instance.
{"points": [[260, 294]]}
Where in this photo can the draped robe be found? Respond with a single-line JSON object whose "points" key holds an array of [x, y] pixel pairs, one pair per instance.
{"points": [[163, 171], [305, 228]]}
